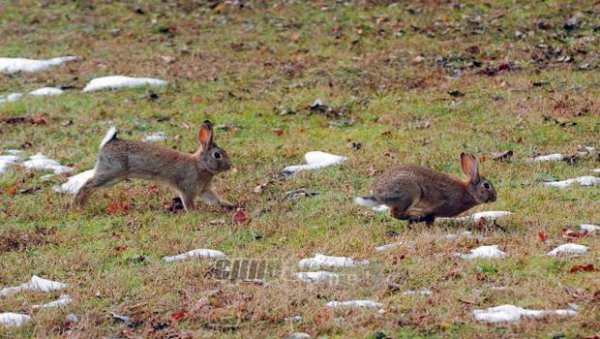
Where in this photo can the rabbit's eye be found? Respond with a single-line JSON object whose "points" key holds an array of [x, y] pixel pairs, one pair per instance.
{"points": [[217, 155], [486, 186]]}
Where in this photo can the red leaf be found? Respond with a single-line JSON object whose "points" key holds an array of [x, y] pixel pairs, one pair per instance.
{"points": [[583, 268], [569, 234], [240, 216], [542, 236], [115, 208], [178, 315]]}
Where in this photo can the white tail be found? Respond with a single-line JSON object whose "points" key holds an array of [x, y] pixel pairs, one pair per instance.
{"points": [[366, 201], [112, 132]]}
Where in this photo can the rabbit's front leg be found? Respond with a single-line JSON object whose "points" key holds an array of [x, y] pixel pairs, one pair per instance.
{"points": [[211, 198]]}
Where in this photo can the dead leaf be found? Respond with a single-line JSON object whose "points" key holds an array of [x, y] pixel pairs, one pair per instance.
{"points": [[240, 216], [583, 268], [178, 315], [568, 234], [117, 207], [542, 236]]}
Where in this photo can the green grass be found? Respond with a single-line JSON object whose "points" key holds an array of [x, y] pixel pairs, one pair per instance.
{"points": [[241, 67]]}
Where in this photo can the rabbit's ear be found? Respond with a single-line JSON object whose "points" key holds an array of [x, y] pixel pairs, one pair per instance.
{"points": [[205, 134], [469, 166]]}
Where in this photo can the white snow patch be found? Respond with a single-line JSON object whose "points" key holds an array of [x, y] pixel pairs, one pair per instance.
{"points": [[7, 160], [41, 162], [16, 65], [34, 284], [9, 319], [589, 227], [569, 250], [483, 252], [12, 97], [46, 91], [321, 260], [488, 215], [63, 300], [12, 151], [596, 170], [422, 292], [452, 236], [158, 136], [587, 180], [354, 304], [119, 81], [200, 253], [389, 246], [297, 335], [317, 276], [511, 313], [549, 157], [316, 160], [74, 183]]}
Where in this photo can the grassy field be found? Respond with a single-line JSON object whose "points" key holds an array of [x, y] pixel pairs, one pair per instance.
{"points": [[411, 83]]}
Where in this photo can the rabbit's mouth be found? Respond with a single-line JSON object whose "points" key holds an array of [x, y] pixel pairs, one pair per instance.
{"points": [[491, 198]]}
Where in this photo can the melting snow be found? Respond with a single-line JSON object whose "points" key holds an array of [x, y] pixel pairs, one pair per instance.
{"points": [[13, 319], [596, 170], [74, 183], [61, 301], [570, 250], [6, 160], [511, 313], [587, 180], [297, 335], [422, 292], [550, 157], [119, 81], [321, 260], [12, 97], [489, 215], [46, 91], [41, 162], [159, 136], [355, 303], [388, 246], [35, 284], [200, 252], [16, 65], [312, 277], [13, 151], [452, 236], [316, 160], [483, 252], [589, 227]]}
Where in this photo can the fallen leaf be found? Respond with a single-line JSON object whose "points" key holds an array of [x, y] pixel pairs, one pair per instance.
{"points": [[178, 315], [115, 208], [240, 216], [583, 268], [568, 234], [542, 236]]}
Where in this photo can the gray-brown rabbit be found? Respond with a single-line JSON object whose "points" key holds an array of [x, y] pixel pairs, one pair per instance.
{"points": [[419, 194], [188, 174]]}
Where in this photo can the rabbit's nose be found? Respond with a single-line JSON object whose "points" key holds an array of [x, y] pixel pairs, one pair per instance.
{"points": [[492, 198]]}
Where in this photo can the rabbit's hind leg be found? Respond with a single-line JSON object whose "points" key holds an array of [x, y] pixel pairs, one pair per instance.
{"points": [[96, 182]]}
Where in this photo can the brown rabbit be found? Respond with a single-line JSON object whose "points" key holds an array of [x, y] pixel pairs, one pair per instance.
{"points": [[418, 194], [188, 174]]}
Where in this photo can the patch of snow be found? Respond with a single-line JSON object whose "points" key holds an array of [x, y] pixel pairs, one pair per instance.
{"points": [[13, 319], [589, 227], [422, 292], [511, 313], [46, 91], [12, 151], [297, 335], [12, 97], [74, 183], [488, 215], [197, 253], [483, 252], [317, 276], [63, 300], [295, 318], [7, 160], [587, 180], [321, 260], [389, 246], [159, 136], [355, 304], [34, 284], [465, 234], [41, 162], [596, 170], [119, 81], [570, 250], [549, 157], [16, 65], [316, 160]]}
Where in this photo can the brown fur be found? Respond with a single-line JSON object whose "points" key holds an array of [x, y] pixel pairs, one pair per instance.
{"points": [[418, 194], [188, 174]]}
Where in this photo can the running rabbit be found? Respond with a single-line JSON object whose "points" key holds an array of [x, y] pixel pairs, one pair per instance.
{"points": [[419, 194], [188, 174]]}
